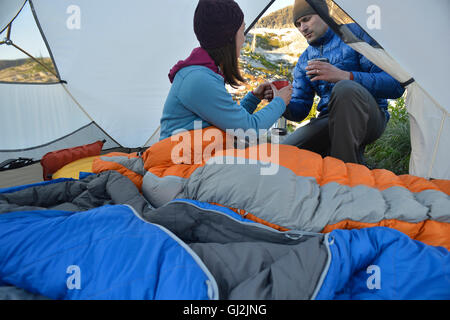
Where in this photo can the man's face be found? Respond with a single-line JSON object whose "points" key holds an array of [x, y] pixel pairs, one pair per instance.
{"points": [[312, 27]]}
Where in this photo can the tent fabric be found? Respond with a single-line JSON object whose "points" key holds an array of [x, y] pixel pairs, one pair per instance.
{"points": [[85, 134], [44, 109], [9, 11], [40, 118], [430, 134], [134, 64]]}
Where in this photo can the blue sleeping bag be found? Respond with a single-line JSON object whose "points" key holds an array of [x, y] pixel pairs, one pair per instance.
{"points": [[383, 263], [103, 253]]}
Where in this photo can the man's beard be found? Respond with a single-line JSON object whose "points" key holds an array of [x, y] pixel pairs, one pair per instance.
{"points": [[317, 39], [312, 42]]}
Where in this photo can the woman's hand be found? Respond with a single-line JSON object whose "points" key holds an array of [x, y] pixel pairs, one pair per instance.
{"points": [[264, 91], [284, 93]]}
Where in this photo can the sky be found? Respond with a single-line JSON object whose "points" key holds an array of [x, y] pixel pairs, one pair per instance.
{"points": [[25, 34], [279, 4]]}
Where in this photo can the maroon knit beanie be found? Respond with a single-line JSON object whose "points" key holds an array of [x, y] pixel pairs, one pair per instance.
{"points": [[216, 22]]}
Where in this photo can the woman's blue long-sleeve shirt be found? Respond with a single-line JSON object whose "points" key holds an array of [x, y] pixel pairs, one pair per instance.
{"points": [[199, 94]]}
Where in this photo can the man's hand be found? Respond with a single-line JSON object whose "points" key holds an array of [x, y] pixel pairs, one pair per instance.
{"points": [[327, 72], [264, 91]]}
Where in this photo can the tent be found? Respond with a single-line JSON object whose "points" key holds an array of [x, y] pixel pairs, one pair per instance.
{"points": [[112, 60]]}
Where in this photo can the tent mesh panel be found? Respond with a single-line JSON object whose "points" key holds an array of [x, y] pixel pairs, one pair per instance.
{"points": [[85, 135], [337, 19], [23, 66]]}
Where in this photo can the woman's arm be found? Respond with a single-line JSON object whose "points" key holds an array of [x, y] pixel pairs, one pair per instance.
{"points": [[205, 95], [250, 102]]}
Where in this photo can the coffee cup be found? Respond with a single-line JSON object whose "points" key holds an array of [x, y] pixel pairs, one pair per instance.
{"points": [[279, 131], [317, 59], [280, 84], [277, 135]]}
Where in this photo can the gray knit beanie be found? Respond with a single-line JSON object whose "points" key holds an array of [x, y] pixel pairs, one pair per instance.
{"points": [[302, 8]]}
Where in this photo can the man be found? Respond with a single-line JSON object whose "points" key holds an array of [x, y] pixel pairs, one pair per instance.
{"points": [[353, 91]]}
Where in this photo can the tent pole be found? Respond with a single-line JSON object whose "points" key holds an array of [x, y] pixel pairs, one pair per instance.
{"points": [[34, 59], [88, 115], [154, 133], [8, 33], [259, 16]]}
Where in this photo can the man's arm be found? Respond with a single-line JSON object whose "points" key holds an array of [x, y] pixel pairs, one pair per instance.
{"points": [[302, 93], [375, 80]]}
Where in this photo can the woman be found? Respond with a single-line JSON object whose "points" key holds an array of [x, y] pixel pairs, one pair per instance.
{"points": [[198, 90]]}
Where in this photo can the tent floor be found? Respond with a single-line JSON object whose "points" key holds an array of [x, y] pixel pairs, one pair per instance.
{"points": [[21, 176]]}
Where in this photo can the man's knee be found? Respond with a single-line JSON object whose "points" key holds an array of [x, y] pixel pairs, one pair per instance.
{"points": [[348, 97], [344, 88]]}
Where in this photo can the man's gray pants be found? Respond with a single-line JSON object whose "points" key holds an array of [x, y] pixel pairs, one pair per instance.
{"points": [[354, 120]]}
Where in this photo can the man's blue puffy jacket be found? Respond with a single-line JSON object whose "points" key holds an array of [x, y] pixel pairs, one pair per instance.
{"points": [[381, 85]]}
